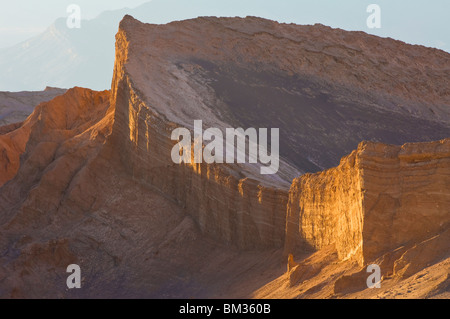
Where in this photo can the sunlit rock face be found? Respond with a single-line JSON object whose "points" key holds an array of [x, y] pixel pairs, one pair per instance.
{"points": [[379, 198]]}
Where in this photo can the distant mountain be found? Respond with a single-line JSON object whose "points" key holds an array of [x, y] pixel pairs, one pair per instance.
{"points": [[62, 57]]}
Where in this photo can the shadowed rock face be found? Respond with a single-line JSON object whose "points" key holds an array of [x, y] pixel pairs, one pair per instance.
{"points": [[316, 127], [89, 178], [326, 89]]}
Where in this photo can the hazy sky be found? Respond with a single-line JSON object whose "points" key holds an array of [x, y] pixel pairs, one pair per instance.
{"points": [[414, 21], [22, 19]]}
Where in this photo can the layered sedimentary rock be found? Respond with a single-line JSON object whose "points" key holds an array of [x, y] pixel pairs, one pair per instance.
{"points": [[326, 89], [326, 208], [254, 75], [224, 201], [379, 198]]}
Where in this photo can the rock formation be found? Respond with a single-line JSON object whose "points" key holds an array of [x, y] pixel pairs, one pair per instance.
{"points": [[379, 198], [144, 117], [51, 123], [327, 89], [88, 177]]}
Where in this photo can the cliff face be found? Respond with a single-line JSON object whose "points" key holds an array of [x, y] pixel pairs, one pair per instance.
{"points": [[379, 198], [326, 208], [232, 80], [326, 89], [405, 194], [225, 202]]}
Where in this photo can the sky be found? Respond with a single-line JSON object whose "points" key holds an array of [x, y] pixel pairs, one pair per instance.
{"points": [[413, 21], [22, 19]]}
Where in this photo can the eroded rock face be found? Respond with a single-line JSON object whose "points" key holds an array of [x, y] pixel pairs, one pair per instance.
{"points": [[379, 198], [326, 89], [226, 204], [233, 203], [325, 98], [326, 208], [53, 123], [405, 193]]}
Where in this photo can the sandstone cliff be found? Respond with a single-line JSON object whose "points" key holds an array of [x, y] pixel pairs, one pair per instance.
{"points": [[234, 202], [379, 198], [327, 89]]}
